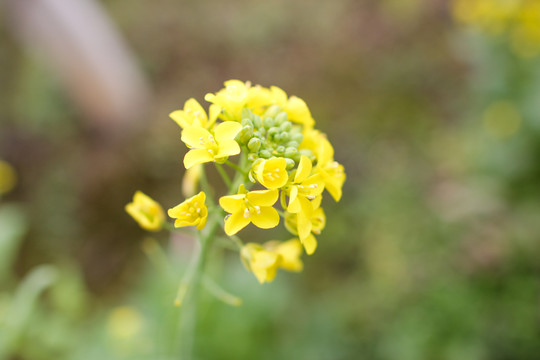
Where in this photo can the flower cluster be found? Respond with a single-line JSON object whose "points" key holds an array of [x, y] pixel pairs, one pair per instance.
{"points": [[518, 21], [282, 166]]}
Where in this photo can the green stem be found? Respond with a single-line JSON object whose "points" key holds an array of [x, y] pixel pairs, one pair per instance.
{"points": [[190, 289], [236, 167], [224, 175]]}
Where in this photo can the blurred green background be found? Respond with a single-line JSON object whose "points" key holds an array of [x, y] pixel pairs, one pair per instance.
{"points": [[432, 106]]}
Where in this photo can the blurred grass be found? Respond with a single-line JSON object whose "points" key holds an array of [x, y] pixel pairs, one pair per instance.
{"points": [[431, 254]]}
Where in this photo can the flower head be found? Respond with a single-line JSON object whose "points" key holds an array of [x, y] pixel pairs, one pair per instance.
{"points": [[290, 254], [193, 114], [192, 211], [147, 212], [215, 145], [246, 207]]}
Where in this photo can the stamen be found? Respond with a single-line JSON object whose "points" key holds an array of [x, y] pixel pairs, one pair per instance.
{"points": [[246, 214], [258, 209]]}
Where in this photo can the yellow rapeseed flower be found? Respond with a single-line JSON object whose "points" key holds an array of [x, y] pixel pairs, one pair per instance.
{"points": [[272, 173], [246, 207], [191, 179], [261, 262], [193, 114], [333, 173], [318, 222], [192, 211], [214, 145], [304, 188], [290, 254], [8, 177], [147, 212], [231, 99]]}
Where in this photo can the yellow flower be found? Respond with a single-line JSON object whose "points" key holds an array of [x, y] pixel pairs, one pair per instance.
{"points": [[247, 207], [232, 99], [290, 252], [264, 260], [296, 109], [318, 222], [8, 177], [272, 173], [216, 145], [194, 115], [192, 211], [262, 263], [147, 212], [332, 172]]}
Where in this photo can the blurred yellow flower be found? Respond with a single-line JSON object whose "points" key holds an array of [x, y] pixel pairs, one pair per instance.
{"points": [[272, 173], [124, 322], [147, 212], [290, 254], [246, 207], [192, 211], [261, 262], [8, 177], [215, 145], [193, 114]]}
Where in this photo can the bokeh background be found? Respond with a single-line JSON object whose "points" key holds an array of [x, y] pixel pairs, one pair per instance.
{"points": [[433, 108]]}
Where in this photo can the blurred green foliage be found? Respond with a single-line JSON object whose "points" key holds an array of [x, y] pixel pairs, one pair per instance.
{"points": [[432, 253]]}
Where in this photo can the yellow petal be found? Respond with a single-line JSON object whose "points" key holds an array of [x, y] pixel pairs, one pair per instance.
{"points": [[263, 197], [294, 203], [228, 148], [227, 131], [267, 218], [193, 107], [195, 136], [299, 112], [232, 203], [304, 226], [280, 96], [310, 244], [197, 156], [214, 112], [204, 217], [235, 223], [290, 252], [180, 117], [304, 169]]}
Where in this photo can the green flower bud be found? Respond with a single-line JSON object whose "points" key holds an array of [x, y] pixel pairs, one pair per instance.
{"points": [[284, 137], [290, 152], [280, 149], [286, 126], [281, 118], [254, 144], [257, 122], [298, 137], [290, 164], [272, 131], [265, 154], [245, 134], [269, 122], [262, 131], [252, 156], [292, 144], [271, 111], [247, 114], [308, 153], [247, 122], [257, 134]]}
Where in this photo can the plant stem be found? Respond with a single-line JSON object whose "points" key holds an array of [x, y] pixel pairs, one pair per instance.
{"points": [[188, 315], [224, 175]]}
